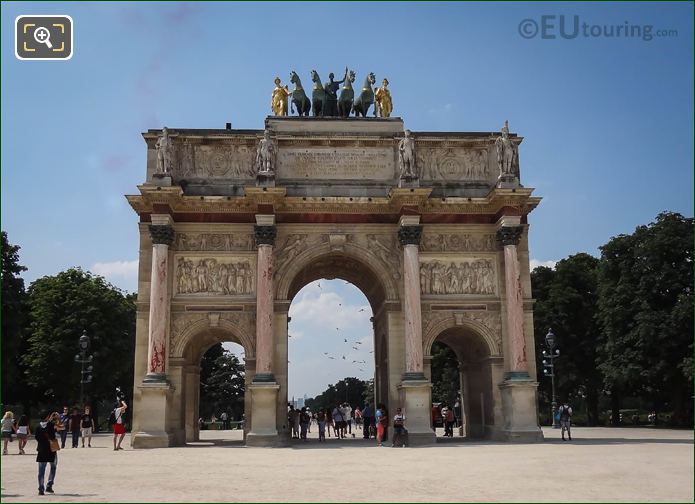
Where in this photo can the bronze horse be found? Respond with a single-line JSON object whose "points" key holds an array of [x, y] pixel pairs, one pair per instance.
{"points": [[366, 97], [300, 101], [347, 95], [318, 95]]}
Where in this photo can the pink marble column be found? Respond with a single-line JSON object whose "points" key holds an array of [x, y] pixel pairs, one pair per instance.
{"points": [[409, 237], [509, 237], [162, 237], [265, 239]]}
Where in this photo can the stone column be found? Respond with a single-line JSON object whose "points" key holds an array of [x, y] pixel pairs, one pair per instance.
{"points": [[162, 235], [509, 237], [154, 409], [409, 235], [265, 239], [263, 388], [415, 390], [518, 390]]}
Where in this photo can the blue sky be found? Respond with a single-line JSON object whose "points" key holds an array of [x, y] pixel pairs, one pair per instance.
{"points": [[608, 122]]}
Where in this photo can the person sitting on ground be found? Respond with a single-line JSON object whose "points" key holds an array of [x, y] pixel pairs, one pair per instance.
{"points": [[398, 429]]}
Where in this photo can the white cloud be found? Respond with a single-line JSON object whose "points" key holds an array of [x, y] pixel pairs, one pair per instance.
{"points": [[327, 310], [444, 109], [548, 264], [123, 274]]}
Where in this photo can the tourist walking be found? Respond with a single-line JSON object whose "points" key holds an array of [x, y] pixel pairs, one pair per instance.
{"points": [[23, 432], [358, 418], [367, 420], [565, 412], [329, 421], [47, 450], [75, 425], [296, 422], [321, 420], [87, 426], [347, 417], [119, 424], [303, 423], [450, 419], [380, 421], [225, 420], [63, 426], [8, 429], [398, 429], [338, 421]]}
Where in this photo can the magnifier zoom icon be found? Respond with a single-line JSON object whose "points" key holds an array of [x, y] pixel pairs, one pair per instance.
{"points": [[43, 36]]}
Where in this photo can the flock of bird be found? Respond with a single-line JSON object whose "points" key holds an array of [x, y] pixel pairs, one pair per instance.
{"points": [[343, 357]]}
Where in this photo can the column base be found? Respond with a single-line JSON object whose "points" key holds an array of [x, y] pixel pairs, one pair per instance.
{"points": [[263, 412], [152, 414], [415, 399], [263, 378], [159, 378], [519, 410]]}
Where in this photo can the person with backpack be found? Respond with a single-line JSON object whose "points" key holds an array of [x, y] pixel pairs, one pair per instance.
{"points": [[47, 448], [117, 420], [565, 412]]}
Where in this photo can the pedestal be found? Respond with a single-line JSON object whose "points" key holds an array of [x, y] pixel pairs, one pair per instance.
{"points": [[263, 409], [415, 400], [519, 409], [153, 416]]}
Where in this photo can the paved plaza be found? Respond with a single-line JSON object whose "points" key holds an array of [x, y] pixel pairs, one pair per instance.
{"points": [[600, 465]]}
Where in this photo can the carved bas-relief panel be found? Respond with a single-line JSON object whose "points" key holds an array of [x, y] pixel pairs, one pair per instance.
{"points": [[213, 161], [462, 242], [373, 163], [456, 276], [213, 241], [210, 276], [454, 164]]}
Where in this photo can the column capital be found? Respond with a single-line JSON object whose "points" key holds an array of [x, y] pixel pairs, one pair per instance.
{"points": [[509, 235], [161, 234], [265, 235], [410, 235]]}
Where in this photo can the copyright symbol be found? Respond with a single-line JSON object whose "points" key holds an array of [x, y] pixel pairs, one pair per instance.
{"points": [[528, 28]]}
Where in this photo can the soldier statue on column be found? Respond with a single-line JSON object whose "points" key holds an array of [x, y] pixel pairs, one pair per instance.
{"points": [[265, 156], [164, 152], [507, 156]]}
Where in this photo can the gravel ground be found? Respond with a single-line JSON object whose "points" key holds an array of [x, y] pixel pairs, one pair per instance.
{"points": [[599, 465]]}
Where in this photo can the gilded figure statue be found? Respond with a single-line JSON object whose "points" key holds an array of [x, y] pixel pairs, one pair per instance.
{"points": [[278, 100], [382, 97]]}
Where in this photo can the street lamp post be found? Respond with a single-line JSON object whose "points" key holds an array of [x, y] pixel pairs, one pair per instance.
{"points": [[549, 370], [82, 358]]}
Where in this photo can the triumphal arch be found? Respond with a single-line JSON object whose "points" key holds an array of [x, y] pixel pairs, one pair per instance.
{"points": [[431, 226]]}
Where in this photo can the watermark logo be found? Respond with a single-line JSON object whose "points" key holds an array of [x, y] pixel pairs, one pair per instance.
{"points": [[43, 37], [553, 26]]}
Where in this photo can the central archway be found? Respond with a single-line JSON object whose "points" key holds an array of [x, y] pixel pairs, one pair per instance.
{"points": [[365, 271]]}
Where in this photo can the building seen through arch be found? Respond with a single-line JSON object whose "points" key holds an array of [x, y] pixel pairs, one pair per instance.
{"points": [[234, 223]]}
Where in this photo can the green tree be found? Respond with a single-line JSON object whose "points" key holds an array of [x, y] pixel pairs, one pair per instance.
{"points": [[60, 308], [222, 384], [445, 374], [645, 310], [566, 301], [351, 390], [13, 319]]}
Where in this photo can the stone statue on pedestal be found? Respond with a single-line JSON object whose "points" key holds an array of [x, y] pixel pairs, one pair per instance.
{"points": [[265, 156], [164, 152], [382, 97], [278, 100], [507, 156], [406, 157]]}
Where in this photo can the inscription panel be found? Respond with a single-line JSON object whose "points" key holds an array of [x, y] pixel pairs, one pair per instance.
{"points": [[338, 164]]}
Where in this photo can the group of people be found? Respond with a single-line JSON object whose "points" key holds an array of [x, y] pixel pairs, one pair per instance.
{"points": [[340, 419], [51, 427]]}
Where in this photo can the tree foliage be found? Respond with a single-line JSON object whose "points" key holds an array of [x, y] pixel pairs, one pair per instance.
{"points": [[566, 301], [646, 313], [13, 320], [221, 383], [351, 390], [61, 307], [445, 374]]}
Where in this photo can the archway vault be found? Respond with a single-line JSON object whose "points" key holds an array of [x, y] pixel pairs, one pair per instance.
{"points": [[484, 326], [193, 333]]}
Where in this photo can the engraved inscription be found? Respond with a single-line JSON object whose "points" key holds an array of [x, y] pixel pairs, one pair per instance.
{"points": [[330, 163]]}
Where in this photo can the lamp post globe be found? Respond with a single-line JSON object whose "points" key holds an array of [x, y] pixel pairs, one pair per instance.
{"points": [[550, 339], [84, 341]]}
